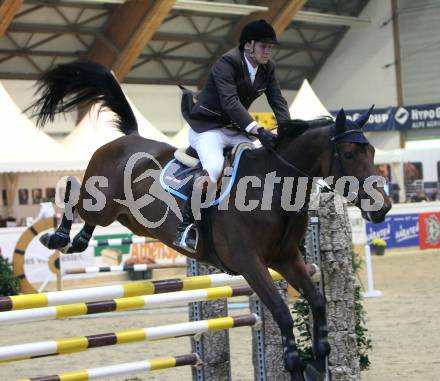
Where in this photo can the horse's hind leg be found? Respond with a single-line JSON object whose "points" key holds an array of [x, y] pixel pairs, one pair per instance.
{"points": [[61, 237], [294, 270], [261, 282]]}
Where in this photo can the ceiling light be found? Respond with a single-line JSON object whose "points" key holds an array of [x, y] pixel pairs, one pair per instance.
{"points": [[245, 9], [221, 8], [330, 19]]}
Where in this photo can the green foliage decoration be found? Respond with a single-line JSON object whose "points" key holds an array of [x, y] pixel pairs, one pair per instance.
{"points": [[9, 282]]}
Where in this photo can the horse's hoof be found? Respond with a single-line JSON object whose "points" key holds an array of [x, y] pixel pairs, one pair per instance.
{"points": [[293, 365], [78, 245], [312, 374], [297, 376], [54, 241], [44, 239]]}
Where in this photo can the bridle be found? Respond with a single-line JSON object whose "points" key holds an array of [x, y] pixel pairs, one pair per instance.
{"points": [[334, 138]]}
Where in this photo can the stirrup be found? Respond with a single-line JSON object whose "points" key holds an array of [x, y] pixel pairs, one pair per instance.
{"points": [[185, 233]]}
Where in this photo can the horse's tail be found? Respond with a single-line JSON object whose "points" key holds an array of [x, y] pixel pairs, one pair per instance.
{"points": [[82, 83]]}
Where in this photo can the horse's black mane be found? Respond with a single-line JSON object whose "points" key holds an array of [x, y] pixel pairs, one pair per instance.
{"points": [[296, 127]]}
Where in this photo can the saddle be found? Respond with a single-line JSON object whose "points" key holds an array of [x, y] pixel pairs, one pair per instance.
{"points": [[178, 175]]}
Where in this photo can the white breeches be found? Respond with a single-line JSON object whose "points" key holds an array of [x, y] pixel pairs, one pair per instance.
{"points": [[210, 144]]}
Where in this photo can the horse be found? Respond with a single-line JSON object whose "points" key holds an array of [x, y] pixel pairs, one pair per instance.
{"points": [[245, 242]]}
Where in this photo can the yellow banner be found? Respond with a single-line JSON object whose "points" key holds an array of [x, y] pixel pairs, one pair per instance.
{"points": [[265, 119]]}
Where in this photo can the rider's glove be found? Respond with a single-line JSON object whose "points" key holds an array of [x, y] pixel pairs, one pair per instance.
{"points": [[267, 139]]}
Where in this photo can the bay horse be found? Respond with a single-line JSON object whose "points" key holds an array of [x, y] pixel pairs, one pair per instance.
{"points": [[245, 242]]}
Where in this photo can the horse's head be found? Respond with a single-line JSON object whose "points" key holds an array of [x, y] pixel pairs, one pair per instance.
{"points": [[352, 159]]}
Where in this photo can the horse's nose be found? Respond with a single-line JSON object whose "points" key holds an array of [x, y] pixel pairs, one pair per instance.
{"points": [[379, 216], [387, 206]]}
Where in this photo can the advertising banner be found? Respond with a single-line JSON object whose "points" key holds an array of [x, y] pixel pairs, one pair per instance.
{"points": [[401, 230], [429, 230], [400, 118]]}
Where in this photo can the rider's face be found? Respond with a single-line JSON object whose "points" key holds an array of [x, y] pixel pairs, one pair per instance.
{"points": [[262, 51]]}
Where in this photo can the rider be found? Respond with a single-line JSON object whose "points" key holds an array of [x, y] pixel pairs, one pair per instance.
{"points": [[219, 116]]}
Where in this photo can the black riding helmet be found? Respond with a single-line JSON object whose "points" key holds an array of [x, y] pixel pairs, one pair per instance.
{"points": [[259, 30]]}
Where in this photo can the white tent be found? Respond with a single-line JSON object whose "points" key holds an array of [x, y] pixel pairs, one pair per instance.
{"points": [[180, 140], [306, 105], [98, 128], [146, 128], [23, 148]]}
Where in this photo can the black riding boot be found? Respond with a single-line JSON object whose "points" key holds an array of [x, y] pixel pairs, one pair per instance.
{"points": [[186, 235]]}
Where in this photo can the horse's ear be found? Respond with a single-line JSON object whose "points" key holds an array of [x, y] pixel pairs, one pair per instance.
{"points": [[363, 119], [340, 121]]}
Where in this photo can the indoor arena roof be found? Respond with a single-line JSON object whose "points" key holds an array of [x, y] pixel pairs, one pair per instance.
{"points": [[167, 41]]}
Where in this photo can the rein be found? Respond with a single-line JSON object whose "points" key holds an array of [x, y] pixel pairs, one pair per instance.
{"points": [[287, 164], [335, 152], [329, 188]]}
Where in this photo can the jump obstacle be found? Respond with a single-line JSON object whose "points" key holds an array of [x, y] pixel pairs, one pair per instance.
{"points": [[79, 344], [42, 300], [371, 292], [121, 268], [122, 304], [27, 312], [114, 370], [56, 298], [17, 304], [53, 262], [26, 308], [119, 241]]}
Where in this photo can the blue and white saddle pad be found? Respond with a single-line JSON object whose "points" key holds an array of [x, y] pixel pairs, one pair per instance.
{"points": [[177, 178]]}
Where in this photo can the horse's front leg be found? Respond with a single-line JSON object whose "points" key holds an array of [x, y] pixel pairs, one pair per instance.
{"points": [[294, 270], [258, 277]]}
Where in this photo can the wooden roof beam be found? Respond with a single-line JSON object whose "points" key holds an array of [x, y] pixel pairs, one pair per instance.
{"points": [[8, 10], [286, 13], [130, 28]]}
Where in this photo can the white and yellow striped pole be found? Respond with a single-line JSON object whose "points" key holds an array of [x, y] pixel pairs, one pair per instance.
{"points": [[122, 304], [79, 344], [114, 370], [56, 298]]}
